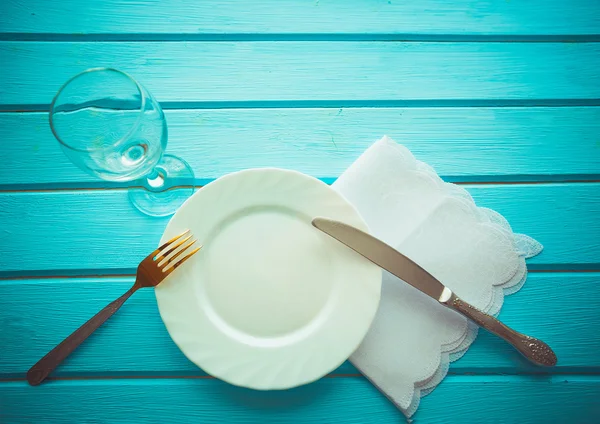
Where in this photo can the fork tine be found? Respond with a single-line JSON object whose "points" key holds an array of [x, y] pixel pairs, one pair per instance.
{"points": [[169, 242], [171, 248], [177, 251], [179, 260]]}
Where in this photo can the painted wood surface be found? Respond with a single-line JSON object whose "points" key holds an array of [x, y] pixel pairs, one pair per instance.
{"points": [[463, 144], [366, 73], [446, 17], [142, 347], [86, 230], [467, 399], [504, 95]]}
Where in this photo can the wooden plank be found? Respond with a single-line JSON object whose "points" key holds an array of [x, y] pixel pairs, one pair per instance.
{"points": [[526, 400], [329, 17], [463, 144], [198, 72], [34, 322], [85, 229]]}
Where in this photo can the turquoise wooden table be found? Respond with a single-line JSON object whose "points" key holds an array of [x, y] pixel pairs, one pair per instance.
{"points": [[500, 96]]}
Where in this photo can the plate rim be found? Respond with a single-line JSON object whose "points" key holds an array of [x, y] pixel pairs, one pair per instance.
{"points": [[377, 276]]}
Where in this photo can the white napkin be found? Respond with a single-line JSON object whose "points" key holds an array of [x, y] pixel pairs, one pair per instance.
{"points": [[472, 250]]}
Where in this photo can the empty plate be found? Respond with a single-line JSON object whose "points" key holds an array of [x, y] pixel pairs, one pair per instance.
{"points": [[270, 302]]}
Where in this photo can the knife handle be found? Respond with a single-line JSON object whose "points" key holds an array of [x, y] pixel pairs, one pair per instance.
{"points": [[533, 349]]}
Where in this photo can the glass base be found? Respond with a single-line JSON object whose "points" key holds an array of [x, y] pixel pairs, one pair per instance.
{"points": [[164, 190]]}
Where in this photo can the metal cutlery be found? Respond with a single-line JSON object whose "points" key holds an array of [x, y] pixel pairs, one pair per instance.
{"points": [[157, 266], [404, 268]]}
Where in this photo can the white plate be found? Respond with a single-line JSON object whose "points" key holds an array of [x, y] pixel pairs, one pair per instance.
{"points": [[270, 302]]}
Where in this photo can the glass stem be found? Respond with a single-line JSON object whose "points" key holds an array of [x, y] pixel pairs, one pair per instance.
{"points": [[155, 180]]}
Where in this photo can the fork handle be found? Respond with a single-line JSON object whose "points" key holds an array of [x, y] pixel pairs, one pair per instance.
{"points": [[46, 365], [533, 349]]}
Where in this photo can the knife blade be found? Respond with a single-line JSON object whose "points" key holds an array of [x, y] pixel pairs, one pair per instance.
{"points": [[412, 273], [385, 256]]}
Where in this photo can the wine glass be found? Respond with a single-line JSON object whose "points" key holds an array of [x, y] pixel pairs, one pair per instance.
{"points": [[110, 126]]}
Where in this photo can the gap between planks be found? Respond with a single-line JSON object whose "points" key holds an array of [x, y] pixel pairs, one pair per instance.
{"points": [[543, 378], [336, 104], [328, 180], [283, 37], [97, 274]]}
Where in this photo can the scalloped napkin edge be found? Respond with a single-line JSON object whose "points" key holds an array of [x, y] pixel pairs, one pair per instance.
{"points": [[356, 184]]}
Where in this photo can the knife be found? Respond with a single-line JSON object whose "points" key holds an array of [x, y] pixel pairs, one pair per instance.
{"points": [[407, 270]]}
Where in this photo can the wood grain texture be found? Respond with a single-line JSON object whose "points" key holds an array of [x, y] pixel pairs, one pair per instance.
{"points": [[128, 345], [85, 230], [308, 71], [463, 144], [270, 16], [307, 85], [475, 399]]}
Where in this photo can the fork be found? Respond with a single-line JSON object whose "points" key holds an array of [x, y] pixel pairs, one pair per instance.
{"points": [[155, 267]]}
